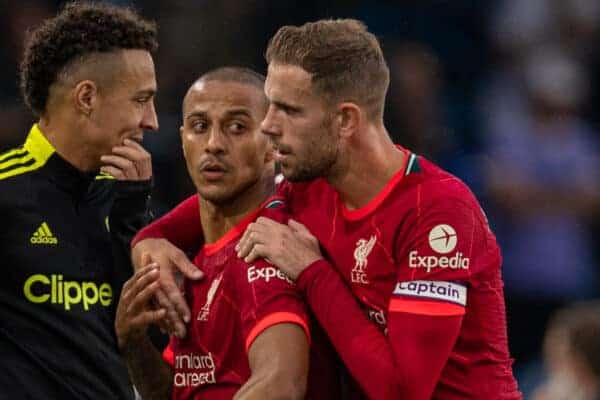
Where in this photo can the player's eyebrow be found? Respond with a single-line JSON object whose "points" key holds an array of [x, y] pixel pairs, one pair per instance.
{"points": [[196, 114], [230, 113], [238, 111], [285, 106], [146, 93]]}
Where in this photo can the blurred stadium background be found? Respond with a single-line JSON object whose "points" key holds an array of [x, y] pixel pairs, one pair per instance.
{"points": [[503, 93]]}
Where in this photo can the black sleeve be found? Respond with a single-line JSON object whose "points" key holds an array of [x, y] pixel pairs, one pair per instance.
{"points": [[129, 213]]}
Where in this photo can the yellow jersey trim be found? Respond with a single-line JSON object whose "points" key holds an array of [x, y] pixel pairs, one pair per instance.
{"points": [[33, 155], [104, 175], [13, 154]]}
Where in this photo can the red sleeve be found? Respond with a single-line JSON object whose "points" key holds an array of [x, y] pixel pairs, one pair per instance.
{"points": [[181, 226], [271, 298], [386, 367], [425, 311]]}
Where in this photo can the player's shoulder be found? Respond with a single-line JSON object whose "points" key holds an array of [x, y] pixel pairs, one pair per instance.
{"points": [[16, 173], [26, 159], [437, 195], [317, 189], [251, 284], [439, 187], [16, 165], [261, 273], [275, 208]]}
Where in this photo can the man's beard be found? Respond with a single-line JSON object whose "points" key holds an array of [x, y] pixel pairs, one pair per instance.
{"points": [[319, 163]]}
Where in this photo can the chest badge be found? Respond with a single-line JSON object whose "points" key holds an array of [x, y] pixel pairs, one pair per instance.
{"points": [[362, 251], [205, 310], [43, 235]]}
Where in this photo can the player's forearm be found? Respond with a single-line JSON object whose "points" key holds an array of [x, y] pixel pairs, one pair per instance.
{"points": [[278, 359], [422, 345], [149, 373], [406, 364], [363, 348], [180, 226], [270, 387]]}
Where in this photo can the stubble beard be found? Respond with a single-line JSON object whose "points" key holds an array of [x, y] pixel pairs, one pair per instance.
{"points": [[321, 155]]}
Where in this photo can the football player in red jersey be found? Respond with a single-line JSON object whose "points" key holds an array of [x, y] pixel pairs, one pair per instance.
{"points": [[407, 284], [249, 335]]}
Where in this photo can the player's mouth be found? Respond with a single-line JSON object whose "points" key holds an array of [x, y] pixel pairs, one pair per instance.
{"points": [[212, 170], [282, 153], [137, 138]]}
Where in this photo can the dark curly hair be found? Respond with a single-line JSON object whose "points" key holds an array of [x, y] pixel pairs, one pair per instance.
{"points": [[79, 29]]}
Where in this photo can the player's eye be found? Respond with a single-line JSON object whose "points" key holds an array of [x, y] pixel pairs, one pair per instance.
{"points": [[236, 127], [288, 109], [199, 126]]}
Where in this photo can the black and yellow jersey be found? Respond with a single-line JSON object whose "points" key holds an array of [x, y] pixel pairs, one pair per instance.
{"points": [[62, 231]]}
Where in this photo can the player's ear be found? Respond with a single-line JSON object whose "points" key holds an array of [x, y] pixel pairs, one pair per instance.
{"points": [[85, 96], [182, 141], [348, 118]]}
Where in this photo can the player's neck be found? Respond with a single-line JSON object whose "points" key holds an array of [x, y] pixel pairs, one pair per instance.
{"points": [[367, 165], [66, 143], [218, 218]]}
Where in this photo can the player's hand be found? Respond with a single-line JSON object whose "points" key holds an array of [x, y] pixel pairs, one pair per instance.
{"points": [[292, 248], [173, 263], [135, 312], [128, 162]]}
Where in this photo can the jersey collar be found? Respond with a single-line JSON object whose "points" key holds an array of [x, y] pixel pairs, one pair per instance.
{"points": [[236, 231], [409, 165], [38, 146], [53, 165]]}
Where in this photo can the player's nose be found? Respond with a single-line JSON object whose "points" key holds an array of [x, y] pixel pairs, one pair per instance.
{"points": [[269, 125]]}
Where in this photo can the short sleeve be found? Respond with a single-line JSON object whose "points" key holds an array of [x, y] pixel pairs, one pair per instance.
{"points": [[270, 298], [446, 245]]}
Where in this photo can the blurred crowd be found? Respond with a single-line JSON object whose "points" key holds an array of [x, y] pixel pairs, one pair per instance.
{"points": [[503, 93]]}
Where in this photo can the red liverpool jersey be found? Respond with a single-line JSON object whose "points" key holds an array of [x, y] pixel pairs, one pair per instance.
{"points": [[422, 247], [230, 307], [413, 297]]}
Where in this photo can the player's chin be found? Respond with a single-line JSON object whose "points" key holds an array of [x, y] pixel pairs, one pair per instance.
{"points": [[219, 197], [290, 175], [287, 169], [215, 192], [295, 174]]}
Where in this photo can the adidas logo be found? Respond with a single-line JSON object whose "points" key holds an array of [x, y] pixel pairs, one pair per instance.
{"points": [[43, 235]]}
